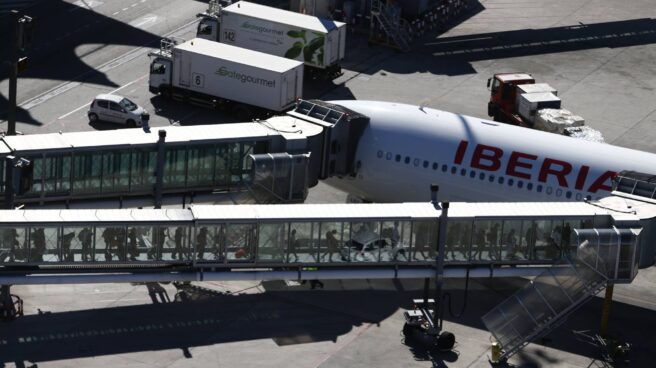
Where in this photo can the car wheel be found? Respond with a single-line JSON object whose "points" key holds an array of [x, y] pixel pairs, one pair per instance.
{"points": [[131, 123], [93, 118]]}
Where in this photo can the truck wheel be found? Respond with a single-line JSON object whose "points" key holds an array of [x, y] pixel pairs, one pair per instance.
{"points": [[93, 118], [131, 124]]}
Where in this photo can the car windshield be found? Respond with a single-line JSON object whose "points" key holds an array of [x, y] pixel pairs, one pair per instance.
{"points": [[128, 105]]}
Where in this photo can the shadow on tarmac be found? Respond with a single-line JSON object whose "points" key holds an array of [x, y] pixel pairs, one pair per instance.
{"points": [[197, 316], [61, 28], [453, 55]]}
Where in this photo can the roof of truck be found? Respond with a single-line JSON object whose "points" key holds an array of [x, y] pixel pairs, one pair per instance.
{"points": [[239, 55], [268, 13], [507, 77]]}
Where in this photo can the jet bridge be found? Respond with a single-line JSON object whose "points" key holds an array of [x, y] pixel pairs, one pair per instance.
{"points": [[183, 160]]}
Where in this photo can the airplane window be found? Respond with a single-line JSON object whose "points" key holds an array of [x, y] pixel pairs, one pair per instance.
{"points": [[435, 165], [579, 196], [481, 176], [559, 192], [463, 172], [520, 183], [491, 178], [568, 195], [539, 188], [425, 164], [529, 186], [501, 180], [588, 197], [379, 154], [472, 174], [389, 155], [417, 162], [444, 168], [453, 169], [510, 182], [398, 158], [549, 190], [407, 159]]}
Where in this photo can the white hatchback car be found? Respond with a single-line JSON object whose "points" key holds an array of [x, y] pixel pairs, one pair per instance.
{"points": [[117, 109]]}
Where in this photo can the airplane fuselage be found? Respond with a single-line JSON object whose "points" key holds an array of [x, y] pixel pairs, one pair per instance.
{"points": [[406, 148]]}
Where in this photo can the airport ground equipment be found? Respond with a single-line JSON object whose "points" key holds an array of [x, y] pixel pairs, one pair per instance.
{"points": [[515, 98], [247, 82], [319, 43]]}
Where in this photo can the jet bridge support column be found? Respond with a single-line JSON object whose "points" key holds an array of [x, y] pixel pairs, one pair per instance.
{"points": [[605, 312], [159, 171]]}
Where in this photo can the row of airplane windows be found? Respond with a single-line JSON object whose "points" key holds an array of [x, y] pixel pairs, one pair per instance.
{"points": [[481, 175]]}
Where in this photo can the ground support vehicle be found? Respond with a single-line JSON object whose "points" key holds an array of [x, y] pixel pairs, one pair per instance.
{"points": [[247, 82], [319, 43]]}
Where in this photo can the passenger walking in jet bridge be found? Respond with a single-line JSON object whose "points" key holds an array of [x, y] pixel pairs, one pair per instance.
{"points": [[332, 244], [567, 234], [11, 245], [201, 241], [84, 236], [38, 244], [422, 244], [179, 233], [451, 239], [493, 240], [108, 238], [293, 246], [511, 245], [133, 248], [479, 244], [554, 243], [531, 237], [119, 240], [66, 246]]}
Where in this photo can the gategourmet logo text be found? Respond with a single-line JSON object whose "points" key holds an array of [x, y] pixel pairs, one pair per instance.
{"points": [[244, 78], [261, 29]]}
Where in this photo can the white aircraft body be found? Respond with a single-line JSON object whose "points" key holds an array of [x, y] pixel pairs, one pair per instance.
{"points": [[406, 148]]}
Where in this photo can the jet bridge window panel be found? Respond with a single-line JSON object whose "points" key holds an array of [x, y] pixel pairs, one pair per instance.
{"points": [[396, 237], [116, 171], [458, 240], [304, 242], [334, 246], [365, 243], [273, 244], [44, 244], [241, 242], [210, 243], [424, 241]]}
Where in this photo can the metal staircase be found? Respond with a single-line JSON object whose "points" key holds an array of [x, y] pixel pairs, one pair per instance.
{"points": [[546, 302], [395, 27]]}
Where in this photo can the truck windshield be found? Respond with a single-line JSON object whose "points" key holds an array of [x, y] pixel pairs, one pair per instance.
{"points": [[128, 105], [204, 29]]}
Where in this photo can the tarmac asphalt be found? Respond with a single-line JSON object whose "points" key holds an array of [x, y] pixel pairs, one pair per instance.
{"points": [[599, 54]]}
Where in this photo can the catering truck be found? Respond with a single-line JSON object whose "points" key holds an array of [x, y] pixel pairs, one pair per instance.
{"points": [[247, 82], [319, 43]]}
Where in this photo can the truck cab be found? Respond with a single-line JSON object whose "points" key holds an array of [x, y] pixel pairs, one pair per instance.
{"points": [[503, 95], [208, 27], [161, 68]]}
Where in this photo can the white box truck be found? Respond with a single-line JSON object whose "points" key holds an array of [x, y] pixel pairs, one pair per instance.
{"points": [[319, 43], [246, 81], [530, 103]]}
